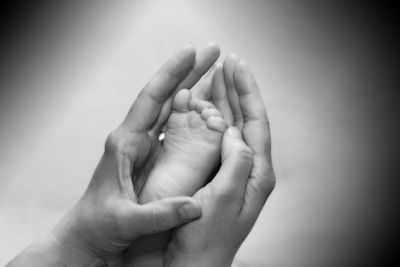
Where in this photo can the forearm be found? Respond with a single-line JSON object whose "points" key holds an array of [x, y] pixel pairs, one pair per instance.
{"points": [[63, 246], [46, 251]]}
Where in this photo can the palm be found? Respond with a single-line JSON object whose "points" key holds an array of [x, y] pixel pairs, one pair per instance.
{"points": [[152, 108], [149, 150]]}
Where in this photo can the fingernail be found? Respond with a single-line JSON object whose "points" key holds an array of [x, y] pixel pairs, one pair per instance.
{"points": [[233, 132], [189, 211]]}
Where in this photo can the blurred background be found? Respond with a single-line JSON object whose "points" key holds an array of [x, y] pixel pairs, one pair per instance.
{"points": [[69, 70]]}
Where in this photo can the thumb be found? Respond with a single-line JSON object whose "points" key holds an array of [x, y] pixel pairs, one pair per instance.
{"points": [[236, 164], [164, 214]]}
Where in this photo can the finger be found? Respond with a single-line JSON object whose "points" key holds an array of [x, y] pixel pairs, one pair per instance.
{"points": [[162, 215], [202, 65], [256, 126], [228, 68], [230, 181], [257, 136], [202, 90], [219, 95], [162, 117], [146, 109]]}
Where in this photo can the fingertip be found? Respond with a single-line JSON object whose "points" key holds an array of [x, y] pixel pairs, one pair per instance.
{"points": [[190, 210], [218, 67], [233, 132], [233, 57], [189, 51], [241, 64], [164, 214], [211, 53], [214, 46], [189, 48], [235, 147], [241, 68]]}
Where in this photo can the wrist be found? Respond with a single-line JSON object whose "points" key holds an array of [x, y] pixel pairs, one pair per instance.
{"points": [[71, 243], [47, 251]]}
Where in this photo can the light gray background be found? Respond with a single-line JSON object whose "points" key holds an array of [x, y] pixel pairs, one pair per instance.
{"points": [[77, 72]]}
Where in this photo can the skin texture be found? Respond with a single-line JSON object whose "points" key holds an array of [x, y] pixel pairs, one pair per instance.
{"points": [[149, 250], [190, 151], [189, 155], [234, 198], [108, 217]]}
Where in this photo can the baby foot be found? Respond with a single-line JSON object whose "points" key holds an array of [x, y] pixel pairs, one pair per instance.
{"points": [[191, 149]]}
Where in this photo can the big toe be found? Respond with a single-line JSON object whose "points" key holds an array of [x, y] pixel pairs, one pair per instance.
{"points": [[181, 100]]}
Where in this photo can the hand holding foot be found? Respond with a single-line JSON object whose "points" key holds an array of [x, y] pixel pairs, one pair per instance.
{"points": [[108, 217], [190, 152], [232, 201], [188, 156]]}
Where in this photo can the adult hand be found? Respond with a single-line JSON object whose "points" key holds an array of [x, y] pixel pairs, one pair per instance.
{"points": [[232, 201], [108, 217], [149, 250]]}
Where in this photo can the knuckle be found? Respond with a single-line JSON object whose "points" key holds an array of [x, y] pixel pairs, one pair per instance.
{"points": [[265, 188], [112, 141], [115, 142], [271, 182]]}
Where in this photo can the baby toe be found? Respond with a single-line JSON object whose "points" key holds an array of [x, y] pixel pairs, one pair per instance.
{"points": [[208, 112], [217, 124], [181, 100], [193, 103], [202, 104]]}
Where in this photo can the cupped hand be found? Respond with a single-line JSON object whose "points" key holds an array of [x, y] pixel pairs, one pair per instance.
{"points": [[232, 201], [148, 250], [108, 217]]}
